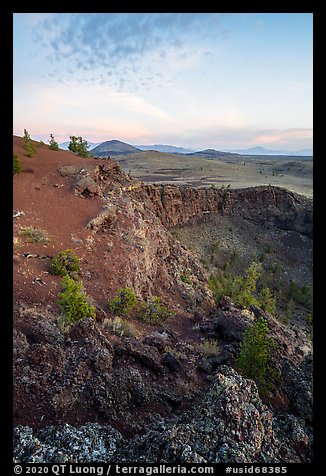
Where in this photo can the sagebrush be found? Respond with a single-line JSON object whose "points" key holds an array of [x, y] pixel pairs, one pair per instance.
{"points": [[154, 312], [35, 235]]}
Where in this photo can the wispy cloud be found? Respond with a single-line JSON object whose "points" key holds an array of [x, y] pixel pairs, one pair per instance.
{"points": [[117, 43]]}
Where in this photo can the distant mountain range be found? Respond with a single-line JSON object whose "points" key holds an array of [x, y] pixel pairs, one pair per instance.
{"points": [[117, 147], [262, 151]]}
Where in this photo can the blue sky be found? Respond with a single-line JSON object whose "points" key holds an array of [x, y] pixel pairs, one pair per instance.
{"points": [[197, 80]]}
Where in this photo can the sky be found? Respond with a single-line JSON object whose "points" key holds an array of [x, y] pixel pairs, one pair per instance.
{"points": [[198, 80]]}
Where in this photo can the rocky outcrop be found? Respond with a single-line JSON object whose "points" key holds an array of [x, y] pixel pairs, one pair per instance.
{"points": [[79, 376], [151, 258], [89, 180], [229, 425]]}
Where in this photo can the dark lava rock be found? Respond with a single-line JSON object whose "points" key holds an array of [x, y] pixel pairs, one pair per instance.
{"points": [[66, 444], [229, 424], [298, 387], [44, 331], [171, 361], [231, 324], [147, 355], [296, 438]]}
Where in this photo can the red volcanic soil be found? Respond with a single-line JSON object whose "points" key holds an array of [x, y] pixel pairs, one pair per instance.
{"points": [[48, 203], [61, 213]]}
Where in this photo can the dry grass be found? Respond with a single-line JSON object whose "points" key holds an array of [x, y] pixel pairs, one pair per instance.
{"points": [[209, 348], [120, 327], [35, 235]]}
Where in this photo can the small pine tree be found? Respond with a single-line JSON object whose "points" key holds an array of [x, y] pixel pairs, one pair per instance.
{"points": [[266, 301], [73, 144], [17, 165], [254, 358], [248, 288], [26, 137], [83, 148], [53, 143], [29, 148], [73, 301], [79, 146]]}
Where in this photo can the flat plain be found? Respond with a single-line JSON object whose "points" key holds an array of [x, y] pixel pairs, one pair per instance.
{"points": [[236, 171]]}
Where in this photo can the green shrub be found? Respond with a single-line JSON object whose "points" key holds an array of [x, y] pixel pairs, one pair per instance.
{"points": [[123, 302], [248, 288], [17, 165], [53, 143], [29, 150], [74, 302], [154, 312], [225, 284], [234, 256], [41, 143], [66, 262], [269, 248], [274, 268], [26, 137], [34, 235], [254, 358]]}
